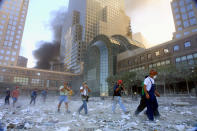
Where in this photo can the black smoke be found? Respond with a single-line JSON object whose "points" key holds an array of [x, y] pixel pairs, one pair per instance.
{"points": [[47, 53], [50, 51]]}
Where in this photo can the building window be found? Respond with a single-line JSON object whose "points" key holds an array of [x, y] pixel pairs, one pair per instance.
{"points": [[158, 64], [142, 58], [7, 58], [13, 59], [184, 16], [181, 3], [178, 59], [186, 23], [178, 35], [2, 51], [180, 29], [183, 58], [194, 30], [149, 56], [176, 10], [183, 10], [178, 23], [186, 33], [191, 14], [189, 7], [195, 55], [166, 51], [187, 44], [163, 63], [189, 57], [176, 47], [8, 52], [157, 53], [193, 21], [174, 4], [167, 62], [188, 1], [177, 16]]}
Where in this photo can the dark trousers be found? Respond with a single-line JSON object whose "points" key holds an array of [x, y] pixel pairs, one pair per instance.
{"points": [[7, 100], [142, 106], [152, 107], [33, 99]]}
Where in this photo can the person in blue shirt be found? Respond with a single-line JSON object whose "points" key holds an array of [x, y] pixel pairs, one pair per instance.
{"points": [[44, 95], [118, 88], [33, 96]]}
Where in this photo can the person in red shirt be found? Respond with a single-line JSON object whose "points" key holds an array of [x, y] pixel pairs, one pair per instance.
{"points": [[15, 94]]}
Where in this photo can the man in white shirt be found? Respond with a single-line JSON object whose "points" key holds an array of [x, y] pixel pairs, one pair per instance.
{"points": [[150, 92], [84, 95], [63, 96]]}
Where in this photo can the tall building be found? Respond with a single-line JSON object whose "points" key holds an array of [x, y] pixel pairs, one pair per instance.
{"points": [[185, 17], [87, 19], [22, 61], [12, 20]]}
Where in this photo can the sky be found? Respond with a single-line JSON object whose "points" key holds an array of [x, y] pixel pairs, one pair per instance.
{"points": [[153, 18]]}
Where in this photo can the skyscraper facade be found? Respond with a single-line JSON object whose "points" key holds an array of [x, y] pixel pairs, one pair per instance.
{"points": [[12, 20], [185, 17], [87, 19]]}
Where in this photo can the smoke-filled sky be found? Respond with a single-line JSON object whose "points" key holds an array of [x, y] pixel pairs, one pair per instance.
{"points": [[153, 18]]}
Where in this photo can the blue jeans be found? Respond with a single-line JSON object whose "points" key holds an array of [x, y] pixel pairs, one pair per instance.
{"points": [[63, 98], [117, 99], [84, 105]]}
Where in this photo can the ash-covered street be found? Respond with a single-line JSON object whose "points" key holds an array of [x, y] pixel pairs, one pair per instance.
{"points": [[177, 113]]}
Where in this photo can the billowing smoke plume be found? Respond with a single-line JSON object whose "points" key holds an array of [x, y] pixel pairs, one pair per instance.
{"points": [[50, 51], [132, 5]]}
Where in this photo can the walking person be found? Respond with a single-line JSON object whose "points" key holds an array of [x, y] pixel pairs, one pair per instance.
{"points": [[64, 90], [33, 96], [84, 90], [150, 92], [142, 104], [118, 88], [7, 97], [44, 95], [15, 95]]}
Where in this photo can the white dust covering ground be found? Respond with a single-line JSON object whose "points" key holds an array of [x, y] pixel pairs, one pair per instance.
{"points": [[44, 116]]}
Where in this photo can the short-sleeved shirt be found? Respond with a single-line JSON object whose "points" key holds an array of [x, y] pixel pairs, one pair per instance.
{"points": [[117, 93], [15, 93], [85, 92], [64, 91], [148, 82]]}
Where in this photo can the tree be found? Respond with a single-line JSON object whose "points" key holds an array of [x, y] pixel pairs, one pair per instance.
{"points": [[126, 77], [165, 74]]}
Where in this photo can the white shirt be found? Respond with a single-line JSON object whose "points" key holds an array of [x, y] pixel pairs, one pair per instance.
{"points": [[148, 83], [85, 92]]}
